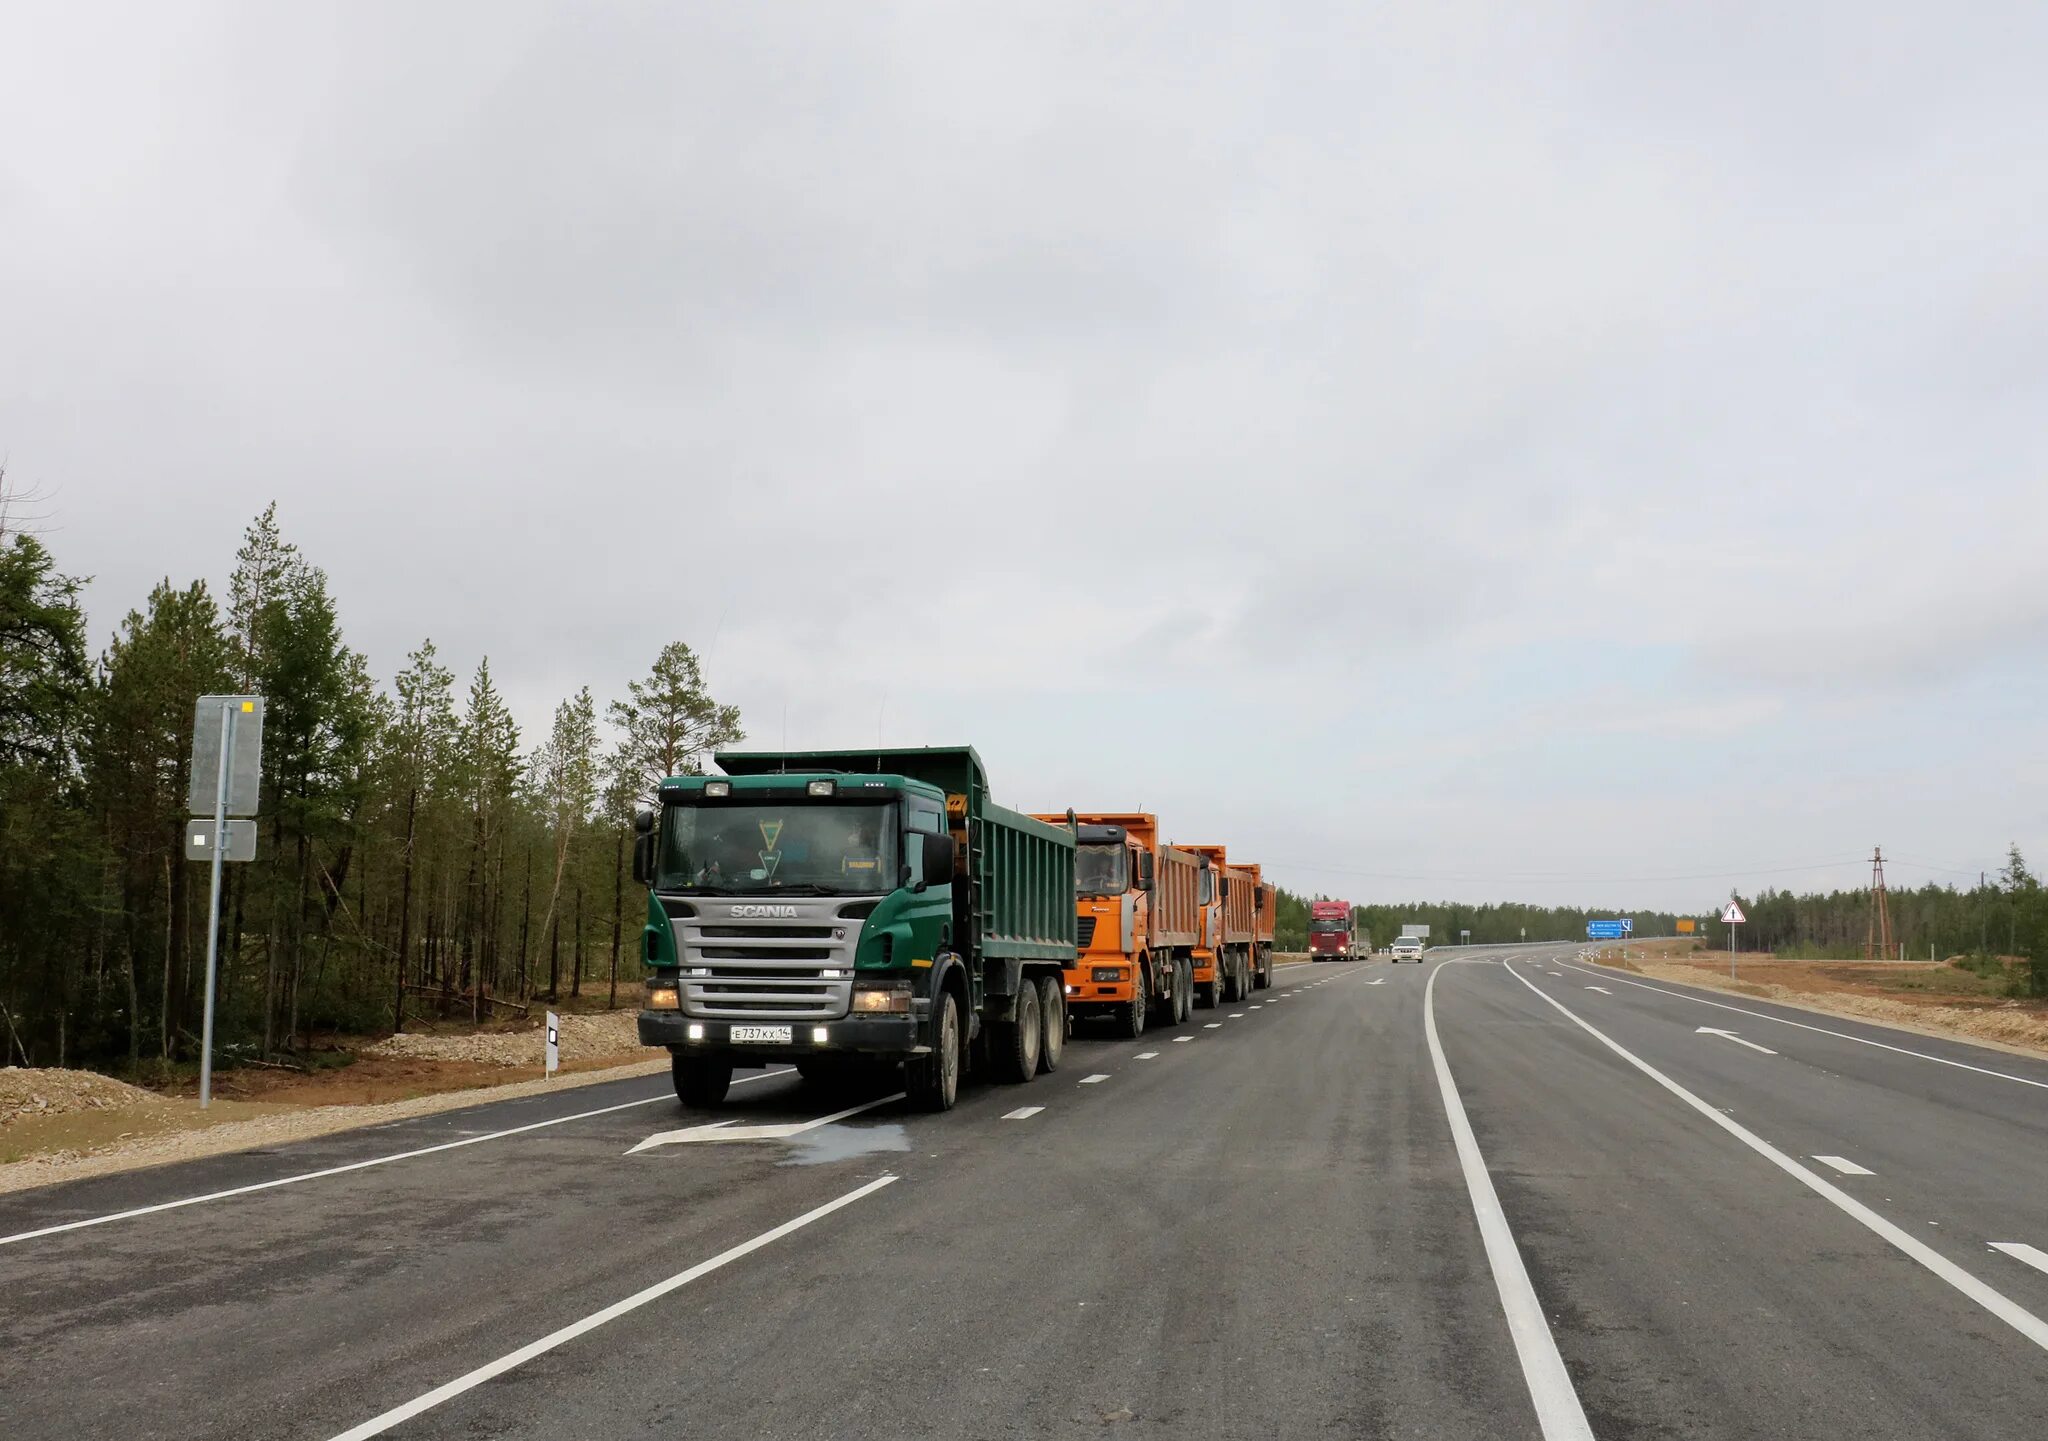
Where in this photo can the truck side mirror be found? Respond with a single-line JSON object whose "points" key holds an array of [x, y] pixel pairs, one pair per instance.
{"points": [[938, 859], [643, 846], [1144, 870]]}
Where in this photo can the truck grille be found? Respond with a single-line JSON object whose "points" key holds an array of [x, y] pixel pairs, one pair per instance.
{"points": [[1084, 932], [741, 968]]}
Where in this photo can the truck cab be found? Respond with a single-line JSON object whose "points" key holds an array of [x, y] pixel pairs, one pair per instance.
{"points": [[1331, 931]]}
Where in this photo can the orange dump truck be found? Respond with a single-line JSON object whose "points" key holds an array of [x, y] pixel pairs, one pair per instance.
{"points": [[1229, 930], [1265, 906], [1138, 914]]}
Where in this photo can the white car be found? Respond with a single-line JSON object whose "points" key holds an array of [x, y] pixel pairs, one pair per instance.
{"points": [[1408, 948]]}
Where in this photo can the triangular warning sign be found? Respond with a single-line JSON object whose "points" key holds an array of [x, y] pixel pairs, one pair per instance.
{"points": [[771, 831], [1733, 916]]}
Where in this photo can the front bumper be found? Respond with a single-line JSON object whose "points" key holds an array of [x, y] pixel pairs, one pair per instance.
{"points": [[897, 1035]]}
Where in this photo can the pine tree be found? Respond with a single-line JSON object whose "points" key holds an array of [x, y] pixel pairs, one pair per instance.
{"points": [[670, 722]]}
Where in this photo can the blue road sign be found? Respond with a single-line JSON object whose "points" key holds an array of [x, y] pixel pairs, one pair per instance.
{"points": [[1606, 930]]}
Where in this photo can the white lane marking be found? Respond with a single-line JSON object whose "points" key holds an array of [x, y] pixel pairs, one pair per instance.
{"points": [[1236, 1015], [2020, 1251], [1843, 1164], [1213, 1026], [1146, 1056], [1601, 989], [1998, 1304], [1823, 1030], [1377, 981], [1183, 1038], [1022, 1113], [1731, 1036], [1096, 1079], [726, 1131], [1558, 974], [352, 1166], [378, 1425], [1255, 1005], [1558, 1410]]}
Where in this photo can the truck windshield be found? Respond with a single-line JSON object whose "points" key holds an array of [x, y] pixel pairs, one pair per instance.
{"points": [[1099, 871], [1329, 923], [779, 846]]}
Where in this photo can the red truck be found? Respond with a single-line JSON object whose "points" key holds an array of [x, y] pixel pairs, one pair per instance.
{"points": [[1332, 931]]}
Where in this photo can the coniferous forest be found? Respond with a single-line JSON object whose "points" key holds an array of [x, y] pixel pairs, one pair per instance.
{"points": [[417, 855]]}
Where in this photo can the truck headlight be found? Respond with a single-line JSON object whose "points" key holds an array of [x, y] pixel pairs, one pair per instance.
{"points": [[883, 997], [663, 998], [1106, 973]]}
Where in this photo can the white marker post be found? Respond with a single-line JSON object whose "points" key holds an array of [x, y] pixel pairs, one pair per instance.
{"points": [[1731, 918], [554, 1043]]}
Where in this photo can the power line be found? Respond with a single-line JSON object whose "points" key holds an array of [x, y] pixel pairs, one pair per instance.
{"points": [[1573, 877]]}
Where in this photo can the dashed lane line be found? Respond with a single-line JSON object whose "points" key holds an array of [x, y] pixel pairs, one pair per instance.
{"points": [[2022, 1252], [1095, 1080], [1843, 1164]]}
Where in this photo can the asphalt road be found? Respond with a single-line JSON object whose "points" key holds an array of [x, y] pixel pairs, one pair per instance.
{"points": [[1574, 1213]]}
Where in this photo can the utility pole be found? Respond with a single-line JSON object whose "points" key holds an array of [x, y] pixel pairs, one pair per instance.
{"points": [[1877, 942]]}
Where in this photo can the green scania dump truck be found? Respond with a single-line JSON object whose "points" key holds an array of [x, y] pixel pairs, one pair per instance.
{"points": [[826, 906]]}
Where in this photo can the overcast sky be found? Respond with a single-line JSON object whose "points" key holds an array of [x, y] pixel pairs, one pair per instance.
{"points": [[1570, 452]]}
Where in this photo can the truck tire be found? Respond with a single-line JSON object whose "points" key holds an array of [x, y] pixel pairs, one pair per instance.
{"points": [[1052, 1020], [1233, 986], [1130, 1016], [700, 1080], [1209, 994], [1184, 992], [933, 1080], [1166, 1009], [1016, 1043]]}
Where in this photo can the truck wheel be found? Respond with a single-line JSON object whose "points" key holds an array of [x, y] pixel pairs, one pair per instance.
{"points": [[1130, 1016], [1184, 991], [700, 1080], [1233, 983], [1209, 994], [933, 1080], [1016, 1042], [1052, 1019]]}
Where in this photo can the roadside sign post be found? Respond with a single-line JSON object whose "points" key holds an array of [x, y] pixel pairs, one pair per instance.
{"points": [[554, 1059], [1731, 918], [227, 730]]}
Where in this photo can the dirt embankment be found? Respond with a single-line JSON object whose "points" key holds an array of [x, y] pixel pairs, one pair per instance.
{"points": [[1909, 995], [58, 1125]]}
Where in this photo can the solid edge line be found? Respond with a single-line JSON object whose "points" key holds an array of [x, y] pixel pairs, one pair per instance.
{"points": [[1823, 1030], [1996, 1302], [378, 1425], [343, 1170], [1558, 1410]]}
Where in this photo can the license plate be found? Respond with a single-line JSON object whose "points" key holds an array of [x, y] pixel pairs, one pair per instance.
{"points": [[779, 1035]]}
